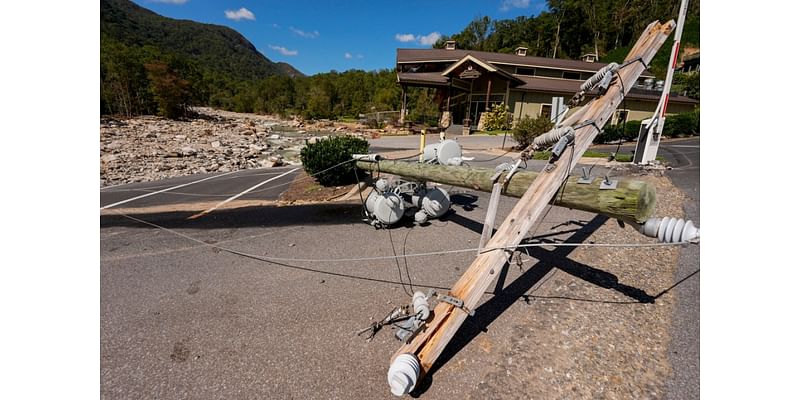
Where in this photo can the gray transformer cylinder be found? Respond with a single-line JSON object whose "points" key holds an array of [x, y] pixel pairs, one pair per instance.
{"points": [[387, 207]]}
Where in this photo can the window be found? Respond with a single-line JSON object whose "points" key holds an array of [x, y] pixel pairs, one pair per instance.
{"points": [[546, 108], [571, 75], [621, 116], [526, 71]]}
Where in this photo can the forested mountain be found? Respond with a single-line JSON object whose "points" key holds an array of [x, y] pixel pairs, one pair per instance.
{"points": [[151, 64], [214, 47], [572, 28]]}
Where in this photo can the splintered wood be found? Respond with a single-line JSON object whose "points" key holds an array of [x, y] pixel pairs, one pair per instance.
{"points": [[430, 343]]}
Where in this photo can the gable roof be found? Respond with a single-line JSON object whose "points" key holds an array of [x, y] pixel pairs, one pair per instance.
{"points": [[483, 64], [443, 55]]}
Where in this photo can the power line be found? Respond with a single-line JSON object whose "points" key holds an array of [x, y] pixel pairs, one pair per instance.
{"points": [[425, 254]]}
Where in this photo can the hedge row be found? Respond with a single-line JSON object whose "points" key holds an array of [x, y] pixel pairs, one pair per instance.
{"points": [[678, 125]]}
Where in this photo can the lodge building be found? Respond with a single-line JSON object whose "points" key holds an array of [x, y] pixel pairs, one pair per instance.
{"points": [[469, 82]]}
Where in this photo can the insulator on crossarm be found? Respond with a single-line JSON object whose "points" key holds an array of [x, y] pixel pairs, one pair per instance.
{"points": [[598, 76], [552, 136], [671, 230]]}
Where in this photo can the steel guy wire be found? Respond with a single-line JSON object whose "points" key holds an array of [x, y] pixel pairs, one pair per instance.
{"points": [[424, 254]]}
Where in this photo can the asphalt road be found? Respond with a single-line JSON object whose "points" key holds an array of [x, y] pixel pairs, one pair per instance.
{"points": [[205, 188], [182, 320], [685, 348]]}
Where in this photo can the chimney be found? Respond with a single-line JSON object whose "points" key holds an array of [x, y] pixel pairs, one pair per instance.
{"points": [[521, 51], [589, 57], [450, 45]]}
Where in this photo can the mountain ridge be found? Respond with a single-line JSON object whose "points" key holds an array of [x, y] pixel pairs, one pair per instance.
{"points": [[215, 47]]}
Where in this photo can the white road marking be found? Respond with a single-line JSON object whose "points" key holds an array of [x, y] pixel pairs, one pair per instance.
{"points": [[241, 194], [682, 145], [165, 190], [150, 188]]}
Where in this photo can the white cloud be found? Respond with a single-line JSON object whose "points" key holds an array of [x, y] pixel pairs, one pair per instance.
{"points": [[509, 4], [310, 35], [240, 14], [404, 37], [283, 50], [430, 38], [348, 55], [427, 40], [360, 56], [169, 1]]}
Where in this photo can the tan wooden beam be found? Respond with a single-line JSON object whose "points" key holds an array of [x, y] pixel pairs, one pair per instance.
{"points": [[429, 344]]}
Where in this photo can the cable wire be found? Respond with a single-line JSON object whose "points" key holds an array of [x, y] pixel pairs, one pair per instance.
{"points": [[425, 254]]}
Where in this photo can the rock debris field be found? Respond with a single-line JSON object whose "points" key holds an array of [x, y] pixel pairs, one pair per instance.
{"points": [[149, 148]]}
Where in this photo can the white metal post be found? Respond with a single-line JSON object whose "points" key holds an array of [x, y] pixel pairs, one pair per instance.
{"points": [[646, 151]]}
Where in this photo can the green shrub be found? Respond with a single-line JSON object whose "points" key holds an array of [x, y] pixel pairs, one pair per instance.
{"points": [[685, 124], [498, 118], [613, 133], [326, 153], [529, 128]]}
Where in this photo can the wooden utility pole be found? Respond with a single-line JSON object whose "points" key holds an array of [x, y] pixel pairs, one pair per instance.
{"points": [[632, 201], [429, 344]]}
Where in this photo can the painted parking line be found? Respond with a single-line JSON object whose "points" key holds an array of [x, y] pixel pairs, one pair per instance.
{"points": [[165, 190], [148, 189], [198, 215]]}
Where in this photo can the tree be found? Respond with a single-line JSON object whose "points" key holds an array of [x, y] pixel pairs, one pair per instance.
{"points": [[172, 93]]}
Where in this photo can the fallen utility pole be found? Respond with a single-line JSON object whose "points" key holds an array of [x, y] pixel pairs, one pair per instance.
{"points": [[422, 351], [632, 201]]}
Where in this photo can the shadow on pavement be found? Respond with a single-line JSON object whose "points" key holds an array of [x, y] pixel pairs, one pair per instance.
{"points": [[548, 260], [255, 216]]}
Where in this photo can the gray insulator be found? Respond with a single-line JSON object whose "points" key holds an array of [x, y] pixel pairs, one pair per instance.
{"points": [[381, 185], [552, 136], [671, 230], [562, 144], [441, 152], [602, 87], [420, 217], [599, 76], [435, 203]]}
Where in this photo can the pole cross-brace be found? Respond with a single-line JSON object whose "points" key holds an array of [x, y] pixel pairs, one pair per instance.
{"points": [[494, 199]]}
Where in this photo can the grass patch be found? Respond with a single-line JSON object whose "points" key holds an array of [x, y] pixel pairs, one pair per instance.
{"points": [[347, 119], [312, 188]]}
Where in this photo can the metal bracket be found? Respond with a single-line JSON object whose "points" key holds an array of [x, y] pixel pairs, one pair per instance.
{"points": [[458, 303], [511, 173], [587, 123], [585, 179], [608, 184]]}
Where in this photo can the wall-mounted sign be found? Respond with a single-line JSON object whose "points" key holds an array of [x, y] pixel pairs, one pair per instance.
{"points": [[469, 74]]}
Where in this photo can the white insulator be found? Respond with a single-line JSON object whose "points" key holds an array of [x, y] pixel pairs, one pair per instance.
{"points": [[552, 136], [598, 76], [421, 308], [367, 157], [671, 230], [403, 374]]}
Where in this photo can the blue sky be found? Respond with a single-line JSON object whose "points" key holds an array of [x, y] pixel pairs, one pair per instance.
{"points": [[320, 36]]}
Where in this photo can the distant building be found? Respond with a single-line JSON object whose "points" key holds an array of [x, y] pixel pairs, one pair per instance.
{"points": [[691, 63], [469, 82]]}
